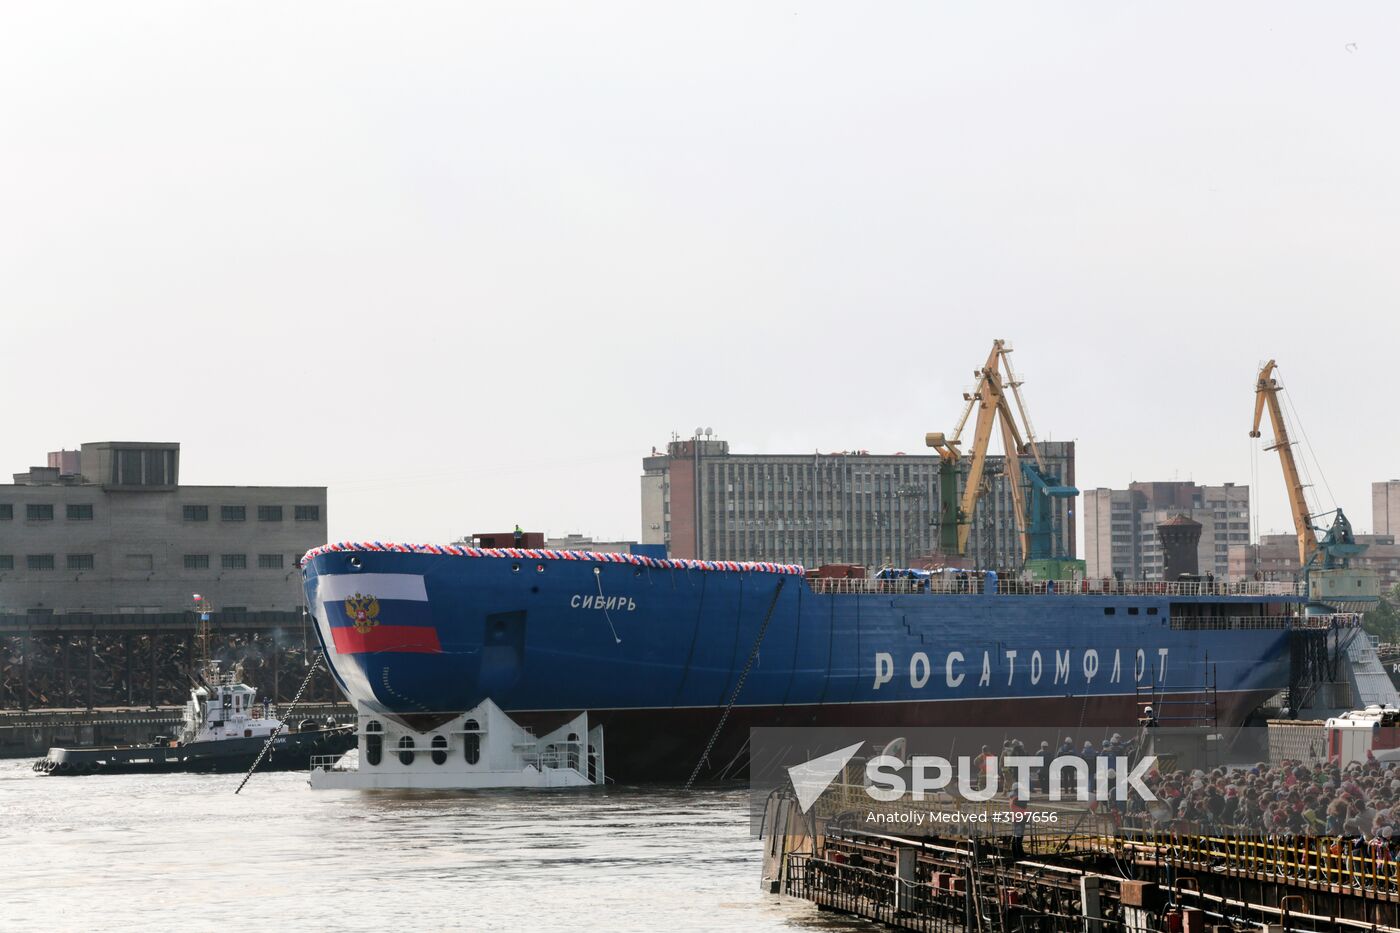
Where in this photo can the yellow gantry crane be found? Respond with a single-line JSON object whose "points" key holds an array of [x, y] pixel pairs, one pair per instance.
{"points": [[1266, 396], [993, 406]]}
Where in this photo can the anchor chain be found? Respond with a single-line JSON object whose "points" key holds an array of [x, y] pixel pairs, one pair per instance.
{"points": [[734, 697], [281, 723]]}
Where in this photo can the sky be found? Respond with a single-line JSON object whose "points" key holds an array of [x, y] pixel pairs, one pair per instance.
{"points": [[465, 264]]}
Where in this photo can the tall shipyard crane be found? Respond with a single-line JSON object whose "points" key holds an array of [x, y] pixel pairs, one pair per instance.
{"points": [[1033, 487], [1266, 396], [1326, 561]]}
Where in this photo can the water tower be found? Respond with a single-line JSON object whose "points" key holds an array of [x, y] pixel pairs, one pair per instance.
{"points": [[1179, 536]]}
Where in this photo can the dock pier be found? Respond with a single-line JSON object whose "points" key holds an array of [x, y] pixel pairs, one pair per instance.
{"points": [[1133, 883]]}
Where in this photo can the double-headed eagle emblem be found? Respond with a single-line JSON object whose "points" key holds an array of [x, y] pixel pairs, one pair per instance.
{"points": [[363, 611]]}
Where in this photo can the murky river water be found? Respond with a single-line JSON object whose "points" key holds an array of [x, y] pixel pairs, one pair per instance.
{"points": [[181, 851]]}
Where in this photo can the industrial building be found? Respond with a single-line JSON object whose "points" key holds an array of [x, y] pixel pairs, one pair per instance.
{"points": [[108, 529], [701, 500], [1275, 557], [1120, 526], [1385, 507]]}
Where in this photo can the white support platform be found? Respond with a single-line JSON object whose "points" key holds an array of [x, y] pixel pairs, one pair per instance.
{"points": [[482, 748]]}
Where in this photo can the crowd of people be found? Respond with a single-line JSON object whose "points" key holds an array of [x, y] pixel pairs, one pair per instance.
{"points": [[1358, 803]]}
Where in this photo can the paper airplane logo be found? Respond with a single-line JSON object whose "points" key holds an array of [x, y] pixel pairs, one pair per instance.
{"points": [[811, 778]]}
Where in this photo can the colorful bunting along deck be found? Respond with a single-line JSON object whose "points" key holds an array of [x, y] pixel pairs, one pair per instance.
{"points": [[603, 557]]}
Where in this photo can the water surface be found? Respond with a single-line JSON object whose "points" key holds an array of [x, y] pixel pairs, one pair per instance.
{"points": [[148, 852]]}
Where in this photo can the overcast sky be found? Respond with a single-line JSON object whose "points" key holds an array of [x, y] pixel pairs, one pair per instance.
{"points": [[466, 263]]}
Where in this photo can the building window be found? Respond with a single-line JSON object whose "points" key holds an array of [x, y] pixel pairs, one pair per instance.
{"points": [[196, 513], [80, 562], [406, 750], [151, 466], [233, 561], [38, 513], [233, 513], [196, 561], [269, 561], [7, 512], [269, 513], [439, 749], [307, 513], [80, 513], [7, 562], [39, 561]]}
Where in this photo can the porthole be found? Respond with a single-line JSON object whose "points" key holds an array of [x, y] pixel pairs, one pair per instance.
{"points": [[514, 568], [406, 750], [539, 568], [439, 749], [354, 562]]}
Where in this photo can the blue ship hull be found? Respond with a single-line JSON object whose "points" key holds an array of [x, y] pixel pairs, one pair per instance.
{"points": [[653, 650]]}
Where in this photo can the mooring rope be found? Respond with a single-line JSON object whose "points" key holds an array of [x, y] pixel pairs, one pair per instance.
{"points": [[281, 723], [598, 579], [734, 697]]}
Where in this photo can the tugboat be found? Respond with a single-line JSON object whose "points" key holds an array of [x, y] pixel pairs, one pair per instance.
{"points": [[224, 730]]}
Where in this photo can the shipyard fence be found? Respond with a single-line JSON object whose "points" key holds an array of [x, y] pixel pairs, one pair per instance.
{"points": [[1329, 863]]}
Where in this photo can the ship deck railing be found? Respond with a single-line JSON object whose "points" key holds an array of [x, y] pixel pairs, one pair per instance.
{"points": [[1325, 622], [974, 585], [331, 763]]}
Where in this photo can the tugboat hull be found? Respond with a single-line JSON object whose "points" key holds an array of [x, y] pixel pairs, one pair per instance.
{"points": [[290, 751]]}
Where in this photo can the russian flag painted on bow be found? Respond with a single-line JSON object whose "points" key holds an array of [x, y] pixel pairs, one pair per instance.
{"points": [[374, 612]]}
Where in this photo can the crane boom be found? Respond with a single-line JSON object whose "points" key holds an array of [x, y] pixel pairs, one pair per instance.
{"points": [[1027, 479], [1266, 396]]}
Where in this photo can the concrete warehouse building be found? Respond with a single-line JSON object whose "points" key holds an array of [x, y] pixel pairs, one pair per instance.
{"points": [[109, 529], [1120, 526], [853, 507]]}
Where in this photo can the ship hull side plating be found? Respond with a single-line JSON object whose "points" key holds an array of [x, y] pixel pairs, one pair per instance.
{"points": [[654, 653]]}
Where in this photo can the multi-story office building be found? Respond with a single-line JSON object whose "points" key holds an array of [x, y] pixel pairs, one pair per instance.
{"points": [[1385, 507], [109, 529], [1120, 526], [700, 500]]}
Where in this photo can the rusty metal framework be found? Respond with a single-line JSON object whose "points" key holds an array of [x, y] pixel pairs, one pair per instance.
{"points": [[75, 662]]}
